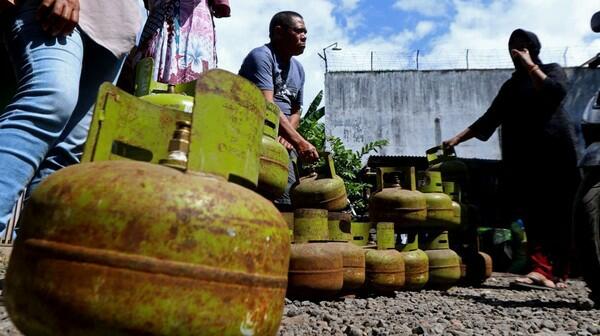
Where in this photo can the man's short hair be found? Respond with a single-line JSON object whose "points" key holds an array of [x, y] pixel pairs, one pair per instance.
{"points": [[284, 19]]}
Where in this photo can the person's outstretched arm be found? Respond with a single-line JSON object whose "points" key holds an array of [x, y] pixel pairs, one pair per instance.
{"points": [[459, 138]]}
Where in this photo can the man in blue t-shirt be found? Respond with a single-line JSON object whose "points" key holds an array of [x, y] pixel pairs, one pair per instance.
{"points": [[280, 77]]}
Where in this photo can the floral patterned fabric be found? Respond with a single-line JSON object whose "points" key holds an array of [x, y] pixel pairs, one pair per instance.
{"points": [[180, 36]]}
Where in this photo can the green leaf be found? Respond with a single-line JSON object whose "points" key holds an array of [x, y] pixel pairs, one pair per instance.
{"points": [[314, 112]]}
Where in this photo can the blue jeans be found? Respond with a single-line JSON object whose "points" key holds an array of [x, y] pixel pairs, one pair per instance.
{"points": [[45, 125]]}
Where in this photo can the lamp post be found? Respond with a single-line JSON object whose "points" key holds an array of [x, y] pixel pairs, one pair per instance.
{"points": [[324, 56]]}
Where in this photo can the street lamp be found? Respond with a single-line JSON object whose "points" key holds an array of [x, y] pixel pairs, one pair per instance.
{"points": [[324, 56]]}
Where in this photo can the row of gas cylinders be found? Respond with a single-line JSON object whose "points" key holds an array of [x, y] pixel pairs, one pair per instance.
{"points": [[127, 247], [324, 262]]}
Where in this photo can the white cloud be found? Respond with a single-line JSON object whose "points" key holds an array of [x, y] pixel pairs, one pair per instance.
{"points": [[349, 5], [557, 23], [354, 21], [423, 28], [430, 8]]}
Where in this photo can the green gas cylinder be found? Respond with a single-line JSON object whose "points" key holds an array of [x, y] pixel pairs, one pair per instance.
{"points": [[340, 226], [323, 190], [477, 265], [385, 235], [172, 100], [289, 219], [440, 210], [384, 266], [444, 160], [274, 158], [360, 233], [316, 270], [178, 97], [391, 203], [310, 225], [444, 264], [416, 262], [125, 247]]}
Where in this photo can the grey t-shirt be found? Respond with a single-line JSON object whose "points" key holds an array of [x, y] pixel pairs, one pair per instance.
{"points": [[263, 68]]}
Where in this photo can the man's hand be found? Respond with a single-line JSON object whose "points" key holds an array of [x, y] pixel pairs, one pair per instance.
{"points": [[58, 17], [451, 142], [307, 151], [523, 56], [285, 144]]}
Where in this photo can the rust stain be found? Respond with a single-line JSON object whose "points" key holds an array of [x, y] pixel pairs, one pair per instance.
{"points": [[133, 234]]}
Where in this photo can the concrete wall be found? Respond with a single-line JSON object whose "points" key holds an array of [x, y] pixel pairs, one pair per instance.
{"points": [[415, 110]]}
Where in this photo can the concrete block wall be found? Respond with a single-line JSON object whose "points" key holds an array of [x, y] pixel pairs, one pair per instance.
{"points": [[415, 110]]}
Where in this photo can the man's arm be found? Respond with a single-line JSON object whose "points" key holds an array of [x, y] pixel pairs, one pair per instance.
{"points": [[287, 130], [295, 117]]}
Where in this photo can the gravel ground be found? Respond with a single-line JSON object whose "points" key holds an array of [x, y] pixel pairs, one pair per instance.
{"points": [[491, 309]]}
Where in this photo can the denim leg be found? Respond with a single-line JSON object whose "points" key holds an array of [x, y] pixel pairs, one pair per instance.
{"points": [[99, 66], [47, 71], [285, 200]]}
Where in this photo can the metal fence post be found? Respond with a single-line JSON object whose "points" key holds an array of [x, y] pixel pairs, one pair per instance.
{"points": [[467, 57], [418, 59]]}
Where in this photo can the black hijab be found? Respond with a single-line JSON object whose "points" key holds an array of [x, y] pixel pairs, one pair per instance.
{"points": [[532, 43]]}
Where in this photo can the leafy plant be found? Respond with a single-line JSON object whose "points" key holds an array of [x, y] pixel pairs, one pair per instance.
{"points": [[347, 163]]}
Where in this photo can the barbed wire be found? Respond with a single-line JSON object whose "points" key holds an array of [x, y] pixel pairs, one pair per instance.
{"points": [[367, 60]]}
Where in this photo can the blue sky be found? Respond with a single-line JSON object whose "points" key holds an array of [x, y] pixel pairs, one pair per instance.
{"points": [[393, 29], [383, 17]]}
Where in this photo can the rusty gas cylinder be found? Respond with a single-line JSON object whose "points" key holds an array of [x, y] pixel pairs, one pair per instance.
{"points": [[392, 203], [316, 270], [129, 247], [274, 158], [289, 219], [360, 233], [323, 190], [416, 262], [479, 267], [353, 262], [310, 225], [489, 264], [126, 247], [340, 226]]}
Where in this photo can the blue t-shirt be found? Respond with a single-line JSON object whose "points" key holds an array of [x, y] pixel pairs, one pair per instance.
{"points": [[263, 68]]}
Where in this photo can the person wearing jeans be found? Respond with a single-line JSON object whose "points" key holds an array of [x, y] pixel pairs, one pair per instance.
{"points": [[61, 51]]}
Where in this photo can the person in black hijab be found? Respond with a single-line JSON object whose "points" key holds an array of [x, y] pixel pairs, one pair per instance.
{"points": [[540, 173]]}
